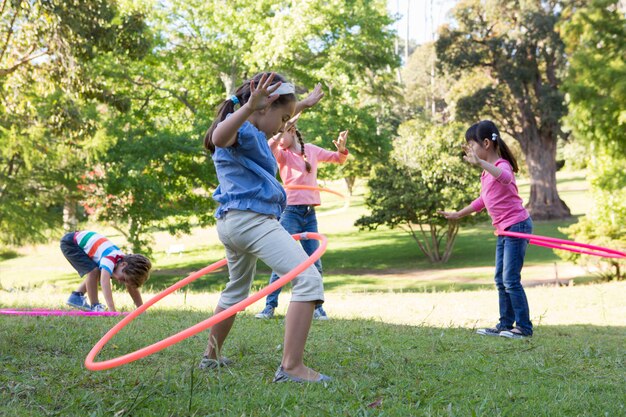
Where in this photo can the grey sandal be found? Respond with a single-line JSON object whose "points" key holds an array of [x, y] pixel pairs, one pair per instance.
{"points": [[208, 363], [282, 376]]}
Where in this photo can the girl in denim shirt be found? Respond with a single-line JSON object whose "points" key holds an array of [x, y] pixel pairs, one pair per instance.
{"points": [[486, 149], [297, 164], [250, 201]]}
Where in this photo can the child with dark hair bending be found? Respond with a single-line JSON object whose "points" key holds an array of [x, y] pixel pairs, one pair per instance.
{"points": [[486, 149]]}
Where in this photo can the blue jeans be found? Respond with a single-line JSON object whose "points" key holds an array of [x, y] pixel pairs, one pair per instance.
{"points": [[297, 219], [510, 252]]}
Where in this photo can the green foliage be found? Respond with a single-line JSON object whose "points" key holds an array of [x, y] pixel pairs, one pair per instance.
{"points": [[53, 104], [509, 58], [604, 225], [596, 81], [427, 174], [596, 85], [152, 179]]}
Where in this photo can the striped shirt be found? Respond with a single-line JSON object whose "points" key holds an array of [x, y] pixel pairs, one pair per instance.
{"points": [[100, 249]]}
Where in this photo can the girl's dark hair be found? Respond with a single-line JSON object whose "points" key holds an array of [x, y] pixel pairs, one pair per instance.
{"points": [[486, 129], [243, 94], [306, 161], [470, 134]]}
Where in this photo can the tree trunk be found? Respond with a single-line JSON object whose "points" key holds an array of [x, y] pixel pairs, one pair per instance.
{"points": [[544, 202], [70, 219], [229, 81], [350, 180]]}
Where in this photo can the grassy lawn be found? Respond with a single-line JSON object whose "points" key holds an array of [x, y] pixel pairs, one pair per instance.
{"points": [[401, 340], [378, 370], [355, 260]]}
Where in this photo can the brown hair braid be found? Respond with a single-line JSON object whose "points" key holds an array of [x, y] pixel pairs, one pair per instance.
{"points": [[306, 162]]}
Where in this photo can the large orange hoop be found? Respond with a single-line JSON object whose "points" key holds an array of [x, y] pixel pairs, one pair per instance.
{"points": [[149, 350]]}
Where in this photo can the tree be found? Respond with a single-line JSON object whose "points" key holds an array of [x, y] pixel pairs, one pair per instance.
{"points": [[425, 175], [346, 45], [519, 56], [596, 84], [49, 112]]}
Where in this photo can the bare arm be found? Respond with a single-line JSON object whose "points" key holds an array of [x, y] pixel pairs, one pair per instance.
{"points": [[107, 291], [455, 215], [225, 134], [472, 158], [312, 99], [135, 295]]}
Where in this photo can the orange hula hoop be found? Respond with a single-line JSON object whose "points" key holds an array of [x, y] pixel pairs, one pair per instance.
{"points": [[213, 320], [346, 201]]}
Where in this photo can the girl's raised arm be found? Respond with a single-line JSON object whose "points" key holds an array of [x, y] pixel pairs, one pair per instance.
{"points": [[225, 133]]}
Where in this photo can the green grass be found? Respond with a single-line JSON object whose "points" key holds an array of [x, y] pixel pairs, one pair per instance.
{"points": [[402, 370], [349, 262], [400, 342]]}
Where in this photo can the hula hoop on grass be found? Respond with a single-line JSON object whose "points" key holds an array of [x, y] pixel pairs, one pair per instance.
{"points": [[346, 200], [211, 321], [568, 245], [45, 312]]}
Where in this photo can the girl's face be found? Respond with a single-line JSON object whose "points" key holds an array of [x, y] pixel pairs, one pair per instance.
{"points": [[482, 149], [272, 119], [288, 138]]}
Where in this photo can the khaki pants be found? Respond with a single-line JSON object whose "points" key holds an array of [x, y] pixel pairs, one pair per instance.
{"points": [[248, 236]]}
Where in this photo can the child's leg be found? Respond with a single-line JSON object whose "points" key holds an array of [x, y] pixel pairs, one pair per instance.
{"points": [[514, 254], [507, 315], [218, 334], [83, 264], [90, 285], [292, 221], [241, 270], [297, 325], [311, 245], [280, 252]]}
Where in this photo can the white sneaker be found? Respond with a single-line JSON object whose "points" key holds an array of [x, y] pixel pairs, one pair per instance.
{"points": [[267, 313], [98, 308]]}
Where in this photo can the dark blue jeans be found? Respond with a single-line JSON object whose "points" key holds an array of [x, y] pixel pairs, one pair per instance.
{"points": [[297, 219], [510, 253]]}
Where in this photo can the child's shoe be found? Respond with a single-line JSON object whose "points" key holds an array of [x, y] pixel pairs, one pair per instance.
{"points": [[515, 334], [78, 300], [282, 376], [319, 313], [98, 308], [207, 363], [267, 313], [492, 331]]}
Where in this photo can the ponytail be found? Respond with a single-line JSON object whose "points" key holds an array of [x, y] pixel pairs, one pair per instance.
{"points": [[486, 129], [306, 161], [227, 107], [241, 97]]}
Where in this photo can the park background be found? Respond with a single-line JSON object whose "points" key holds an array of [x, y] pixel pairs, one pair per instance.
{"points": [[103, 109]]}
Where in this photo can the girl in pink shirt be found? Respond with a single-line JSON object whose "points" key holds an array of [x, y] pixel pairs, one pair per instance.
{"points": [[486, 149], [297, 163]]}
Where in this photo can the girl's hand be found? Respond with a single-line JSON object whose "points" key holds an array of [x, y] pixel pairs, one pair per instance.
{"points": [[450, 215], [260, 95], [470, 155], [313, 98], [340, 143]]}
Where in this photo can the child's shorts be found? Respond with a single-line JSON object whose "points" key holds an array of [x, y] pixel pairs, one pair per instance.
{"points": [[82, 263]]}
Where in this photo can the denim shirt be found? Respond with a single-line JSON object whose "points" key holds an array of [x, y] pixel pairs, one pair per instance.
{"points": [[246, 173]]}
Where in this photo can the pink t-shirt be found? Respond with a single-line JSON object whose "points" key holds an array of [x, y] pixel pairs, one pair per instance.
{"points": [[500, 197], [293, 171]]}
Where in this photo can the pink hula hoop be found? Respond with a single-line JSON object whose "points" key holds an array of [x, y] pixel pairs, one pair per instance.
{"points": [[568, 245], [45, 312], [156, 347]]}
